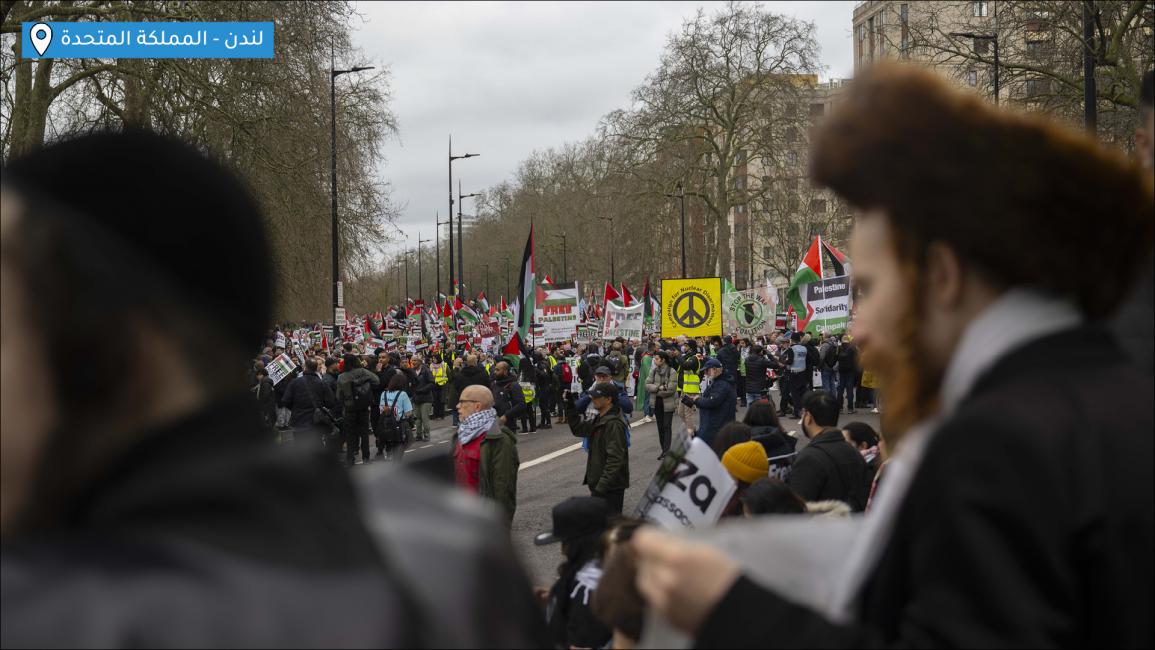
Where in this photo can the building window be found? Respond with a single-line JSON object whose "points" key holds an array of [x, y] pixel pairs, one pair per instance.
{"points": [[982, 46], [792, 158], [1037, 49], [766, 252], [792, 205], [740, 157], [979, 9], [1037, 87], [972, 78], [791, 135], [740, 209], [817, 110], [818, 205], [792, 184], [870, 32], [740, 182]]}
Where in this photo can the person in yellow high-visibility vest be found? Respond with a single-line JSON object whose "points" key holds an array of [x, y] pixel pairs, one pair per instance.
{"points": [[440, 373], [689, 383]]}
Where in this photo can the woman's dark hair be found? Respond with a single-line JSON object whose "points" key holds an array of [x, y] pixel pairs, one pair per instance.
{"points": [[732, 434], [861, 433], [770, 496], [398, 382], [762, 414]]}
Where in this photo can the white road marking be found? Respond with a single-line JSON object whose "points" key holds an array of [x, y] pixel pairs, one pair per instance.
{"points": [[443, 442], [425, 446], [548, 457]]}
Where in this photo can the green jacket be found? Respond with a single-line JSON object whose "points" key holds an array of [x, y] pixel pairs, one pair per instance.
{"points": [[608, 465], [499, 463], [622, 360], [345, 382]]}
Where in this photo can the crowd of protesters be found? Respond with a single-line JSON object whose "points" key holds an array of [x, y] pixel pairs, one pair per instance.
{"points": [[1005, 498]]}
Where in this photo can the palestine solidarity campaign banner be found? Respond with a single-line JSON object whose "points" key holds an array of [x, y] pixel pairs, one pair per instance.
{"points": [[557, 311], [828, 304], [750, 312]]}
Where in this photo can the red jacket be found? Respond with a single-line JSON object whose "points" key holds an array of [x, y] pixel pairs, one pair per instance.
{"points": [[467, 463]]}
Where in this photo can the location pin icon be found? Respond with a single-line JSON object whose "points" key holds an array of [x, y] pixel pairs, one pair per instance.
{"points": [[41, 36]]}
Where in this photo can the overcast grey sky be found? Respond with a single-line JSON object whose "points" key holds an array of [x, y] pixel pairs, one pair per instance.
{"points": [[510, 78]]}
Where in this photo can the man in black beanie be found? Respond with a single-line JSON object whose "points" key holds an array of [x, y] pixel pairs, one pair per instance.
{"points": [[141, 502]]}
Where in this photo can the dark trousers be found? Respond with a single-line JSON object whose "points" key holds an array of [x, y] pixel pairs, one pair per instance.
{"points": [[438, 402], [846, 386], [613, 499], [784, 393], [665, 423], [741, 388], [545, 403], [798, 387], [528, 418], [356, 428]]}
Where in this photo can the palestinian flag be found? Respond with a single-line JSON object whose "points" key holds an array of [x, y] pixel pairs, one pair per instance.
{"points": [[523, 306], [821, 260], [468, 314], [728, 287], [627, 299], [512, 350], [651, 308], [483, 302], [610, 295], [547, 281]]}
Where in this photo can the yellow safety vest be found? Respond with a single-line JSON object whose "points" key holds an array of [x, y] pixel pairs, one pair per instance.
{"points": [[488, 365], [691, 384], [552, 362], [528, 391], [440, 376]]}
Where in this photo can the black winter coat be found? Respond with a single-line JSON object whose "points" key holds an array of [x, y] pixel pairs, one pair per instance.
{"points": [[205, 534], [756, 378], [730, 358], [508, 399], [304, 394], [829, 468], [470, 376], [423, 388], [1028, 524]]}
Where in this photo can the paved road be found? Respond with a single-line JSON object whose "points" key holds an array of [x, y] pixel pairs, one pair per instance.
{"points": [[552, 467]]}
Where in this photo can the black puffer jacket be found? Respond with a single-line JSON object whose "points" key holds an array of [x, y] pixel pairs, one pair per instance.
{"points": [[729, 357], [756, 368]]}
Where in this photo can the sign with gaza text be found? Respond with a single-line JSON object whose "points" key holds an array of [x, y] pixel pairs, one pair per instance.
{"points": [[626, 322], [828, 304], [558, 312], [280, 367], [696, 492], [692, 307], [750, 312], [488, 328]]}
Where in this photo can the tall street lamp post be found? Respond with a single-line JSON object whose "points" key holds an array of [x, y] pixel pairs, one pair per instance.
{"points": [[451, 159], [333, 74]]}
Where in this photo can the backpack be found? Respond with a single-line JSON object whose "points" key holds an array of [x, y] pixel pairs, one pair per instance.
{"points": [[846, 358], [362, 394], [388, 426], [566, 374]]}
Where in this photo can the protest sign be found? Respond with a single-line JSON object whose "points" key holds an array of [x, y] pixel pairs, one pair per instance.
{"points": [[693, 493], [280, 367]]}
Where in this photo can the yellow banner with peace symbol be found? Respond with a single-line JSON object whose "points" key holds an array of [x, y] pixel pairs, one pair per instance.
{"points": [[692, 307]]}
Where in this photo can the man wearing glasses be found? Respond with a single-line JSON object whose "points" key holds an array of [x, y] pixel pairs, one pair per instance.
{"points": [[485, 454]]}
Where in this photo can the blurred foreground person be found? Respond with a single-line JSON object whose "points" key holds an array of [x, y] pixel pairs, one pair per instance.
{"points": [[1017, 508], [142, 502]]}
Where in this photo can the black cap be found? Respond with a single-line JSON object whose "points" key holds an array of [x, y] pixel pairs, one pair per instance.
{"points": [[576, 517], [604, 370], [603, 389]]}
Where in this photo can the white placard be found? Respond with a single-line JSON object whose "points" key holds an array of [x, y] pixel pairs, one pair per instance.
{"points": [[280, 367], [697, 493]]}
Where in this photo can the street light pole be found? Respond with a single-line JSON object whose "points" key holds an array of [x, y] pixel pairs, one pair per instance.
{"points": [[506, 275], [681, 196], [451, 159], [994, 38], [460, 239], [407, 254], [420, 286], [564, 264], [487, 293], [613, 279], [333, 74]]}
